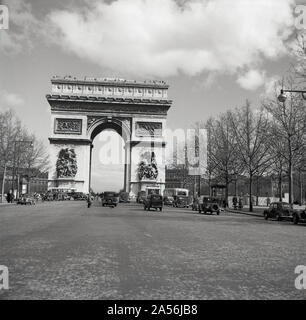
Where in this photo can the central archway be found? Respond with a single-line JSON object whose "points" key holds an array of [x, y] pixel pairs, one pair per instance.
{"points": [[103, 126]]}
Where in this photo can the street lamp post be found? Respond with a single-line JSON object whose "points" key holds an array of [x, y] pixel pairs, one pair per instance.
{"points": [[282, 97]]}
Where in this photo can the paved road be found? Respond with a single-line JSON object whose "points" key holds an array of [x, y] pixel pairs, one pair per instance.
{"points": [[65, 251]]}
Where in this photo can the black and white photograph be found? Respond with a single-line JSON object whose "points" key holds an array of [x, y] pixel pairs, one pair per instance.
{"points": [[152, 153]]}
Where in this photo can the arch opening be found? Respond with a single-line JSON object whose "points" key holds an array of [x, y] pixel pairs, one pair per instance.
{"points": [[108, 165]]}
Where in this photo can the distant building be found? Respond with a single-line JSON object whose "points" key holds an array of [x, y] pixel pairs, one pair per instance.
{"points": [[25, 181], [179, 177]]}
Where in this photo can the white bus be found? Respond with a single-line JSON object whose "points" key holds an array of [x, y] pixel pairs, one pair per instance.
{"points": [[171, 192]]}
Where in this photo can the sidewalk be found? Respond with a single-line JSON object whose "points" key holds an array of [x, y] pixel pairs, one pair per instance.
{"points": [[257, 211]]}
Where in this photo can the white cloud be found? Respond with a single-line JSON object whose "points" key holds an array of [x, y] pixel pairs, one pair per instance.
{"points": [[23, 27], [251, 80], [163, 38], [8, 99]]}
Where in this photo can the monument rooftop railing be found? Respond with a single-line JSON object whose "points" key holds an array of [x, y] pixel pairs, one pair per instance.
{"points": [[109, 87]]}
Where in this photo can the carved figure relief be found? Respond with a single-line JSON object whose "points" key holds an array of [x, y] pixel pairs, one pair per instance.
{"points": [[66, 165], [148, 129], [147, 168], [70, 126]]}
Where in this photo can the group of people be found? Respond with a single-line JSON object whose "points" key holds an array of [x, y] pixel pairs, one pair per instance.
{"points": [[237, 203]]}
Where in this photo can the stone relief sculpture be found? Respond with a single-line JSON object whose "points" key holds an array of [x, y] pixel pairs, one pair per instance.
{"points": [[148, 129], [66, 165], [68, 126], [147, 168]]}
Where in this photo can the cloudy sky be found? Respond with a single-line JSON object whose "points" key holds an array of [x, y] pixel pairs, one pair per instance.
{"points": [[213, 53]]}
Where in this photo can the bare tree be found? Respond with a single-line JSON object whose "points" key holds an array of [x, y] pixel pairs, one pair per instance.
{"points": [[250, 129], [19, 149], [290, 117], [10, 131], [222, 151]]}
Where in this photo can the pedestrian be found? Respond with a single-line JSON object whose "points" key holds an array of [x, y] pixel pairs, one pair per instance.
{"points": [[89, 202], [240, 203], [8, 197], [235, 202], [268, 201]]}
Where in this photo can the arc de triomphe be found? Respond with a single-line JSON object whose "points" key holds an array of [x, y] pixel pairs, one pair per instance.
{"points": [[82, 108]]}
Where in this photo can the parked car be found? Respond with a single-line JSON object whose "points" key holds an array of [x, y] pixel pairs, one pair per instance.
{"points": [[110, 198], [48, 197], [299, 216], [208, 204], [26, 199], [279, 211], [181, 202], [168, 201], [78, 196], [124, 197], [153, 201]]}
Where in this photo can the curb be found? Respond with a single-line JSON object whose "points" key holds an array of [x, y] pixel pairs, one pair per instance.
{"points": [[245, 213]]}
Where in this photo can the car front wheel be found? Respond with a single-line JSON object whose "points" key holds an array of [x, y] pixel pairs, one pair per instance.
{"points": [[266, 216]]}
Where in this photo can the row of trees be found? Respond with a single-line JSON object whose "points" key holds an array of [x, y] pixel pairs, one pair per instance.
{"points": [[252, 142], [256, 141], [19, 149]]}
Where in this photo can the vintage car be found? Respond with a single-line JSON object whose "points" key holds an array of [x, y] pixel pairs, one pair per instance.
{"points": [[78, 196], [26, 199], [124, 197], [181, 202], [279, 211], [153, 201], [299, 216], [110, 199], [168, 201], [208, 204]]}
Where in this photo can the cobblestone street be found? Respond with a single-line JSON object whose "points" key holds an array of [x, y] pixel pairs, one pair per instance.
{"points": [[65, 251]]}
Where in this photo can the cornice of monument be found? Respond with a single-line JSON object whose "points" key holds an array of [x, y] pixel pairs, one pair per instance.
{"points": [[109, 81], [110, 89], [103, 99]]}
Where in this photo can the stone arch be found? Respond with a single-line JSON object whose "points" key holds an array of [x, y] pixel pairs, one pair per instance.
{"points": [[82, 108], [103, 123]]}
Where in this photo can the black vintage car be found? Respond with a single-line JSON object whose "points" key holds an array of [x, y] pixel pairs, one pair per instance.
{"points": [[181, 202], [110, 198], [299, 216], [279, 211], [153, 201], [26, 199], [208, 205]]}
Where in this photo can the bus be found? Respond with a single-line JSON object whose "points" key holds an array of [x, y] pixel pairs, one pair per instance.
{"points": [[171, 192], [145, 193]]}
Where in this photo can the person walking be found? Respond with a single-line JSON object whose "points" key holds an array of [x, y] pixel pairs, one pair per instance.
{"points": [[8, 197], [89, 202]]}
